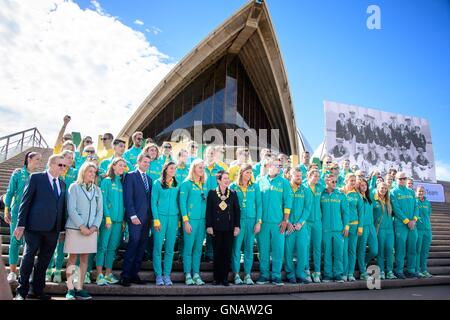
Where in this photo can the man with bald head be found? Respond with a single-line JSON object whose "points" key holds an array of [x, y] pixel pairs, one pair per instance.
{"points": [[406, 213]]}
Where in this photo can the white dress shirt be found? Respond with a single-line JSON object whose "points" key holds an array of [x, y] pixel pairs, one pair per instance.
{"points": [[50, 178]]}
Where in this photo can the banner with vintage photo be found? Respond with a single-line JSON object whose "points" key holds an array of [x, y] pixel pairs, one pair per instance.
{"points": [[379, 140]]}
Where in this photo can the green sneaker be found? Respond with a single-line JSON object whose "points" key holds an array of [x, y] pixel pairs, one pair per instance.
{"points": [[237, 279], [382, 276], [87, 278], [57, 276], [188, 280], [111, 279], [248, 280], [426, 274], [197, 280], [340, 279], [316, 277], [83, 295], [390, 276], [71, 295], [101, 281], [48, 275], [351, 278], [364, 276]]}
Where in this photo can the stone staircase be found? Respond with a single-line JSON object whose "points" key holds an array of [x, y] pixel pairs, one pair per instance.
{"points": [[439, 264]]}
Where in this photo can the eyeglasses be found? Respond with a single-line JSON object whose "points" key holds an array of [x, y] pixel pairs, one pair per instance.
{"points": [[62, 165], [333, 181]]}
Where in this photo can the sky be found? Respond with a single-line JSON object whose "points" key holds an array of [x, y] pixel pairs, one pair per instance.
{"points": [[61, 57]]}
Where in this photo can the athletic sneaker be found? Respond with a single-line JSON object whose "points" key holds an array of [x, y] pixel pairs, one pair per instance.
{"points": [[111, 279], [326, 280], [159, 281], [390, 276], [316, 277], [82, 295], [292, 281], [340, 279], [87, 278], [364, 276], [427, 274], [248, 280], [351, 278], [382, 276], [278, 282], [262, 280], [237, 279], [71, 295], [101, 281], [48, 275], [167, 281], [197, 280], [188, 280], [57, 278]]}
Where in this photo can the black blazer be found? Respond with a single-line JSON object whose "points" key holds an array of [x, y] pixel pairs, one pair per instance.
{"points": [[220, 220], [39, 209]]}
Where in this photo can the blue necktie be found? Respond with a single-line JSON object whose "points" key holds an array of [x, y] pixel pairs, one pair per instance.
{"points": [[55, 189], [144, 177]]}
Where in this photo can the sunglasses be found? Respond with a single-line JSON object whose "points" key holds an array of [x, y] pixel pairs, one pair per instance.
{"points": [[104, 139], [194, 147], [90, 151], [62, 165], [328, 162], [167, 147], [88, 141], [139, 139], [333, 181], [402, 178]]}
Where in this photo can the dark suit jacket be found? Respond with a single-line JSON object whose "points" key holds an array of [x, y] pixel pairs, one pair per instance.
{"points": [[39, 209], [137, 202], [227, 219]]}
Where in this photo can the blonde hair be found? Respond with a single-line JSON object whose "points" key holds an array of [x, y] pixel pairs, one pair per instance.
{"points": [[148, 147], [82, 172], [347, 178], [191, 173], [110, 172], [264, 163], [387, 197], [53, 158]]}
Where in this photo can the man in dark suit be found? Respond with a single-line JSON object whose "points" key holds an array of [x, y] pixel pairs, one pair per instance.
{"points": [[137, 192], [42, 216]]}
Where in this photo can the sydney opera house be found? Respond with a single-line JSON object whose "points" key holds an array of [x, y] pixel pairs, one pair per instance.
{"points": [[235, 78]]}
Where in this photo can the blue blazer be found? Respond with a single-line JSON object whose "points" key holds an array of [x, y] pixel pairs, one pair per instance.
{"points": [[136, 200], [40, 209]]}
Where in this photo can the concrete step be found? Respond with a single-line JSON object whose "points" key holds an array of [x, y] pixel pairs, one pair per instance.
{"points": [[207, 276], [210, 290]]}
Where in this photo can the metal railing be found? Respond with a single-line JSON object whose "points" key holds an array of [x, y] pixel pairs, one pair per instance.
{"points": [[16, 143]]}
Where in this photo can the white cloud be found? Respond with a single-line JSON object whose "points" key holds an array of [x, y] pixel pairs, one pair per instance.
{"points": [[154, 30], [58, 59], [139, 22], [442, 171]]}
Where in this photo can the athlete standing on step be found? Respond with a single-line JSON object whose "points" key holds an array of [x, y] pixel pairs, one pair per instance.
{"points": [[166, 213], [424, 233], [193, 193], [13, 198]]}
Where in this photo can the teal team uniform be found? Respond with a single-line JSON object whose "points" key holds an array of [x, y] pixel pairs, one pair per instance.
{"points": [[276, 197], [155, 169], [424, 235], [113, 210], [251, 212], [405, 210], [314, 223], [384, 225], [355, 204], [335, 218], [165, 210], [368, 238], [296, 243], [193, 209], [13, 198], [131, 156], [181, 174]]}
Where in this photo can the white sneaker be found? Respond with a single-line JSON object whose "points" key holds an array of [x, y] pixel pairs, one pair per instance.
{"points": [[12, 277]]}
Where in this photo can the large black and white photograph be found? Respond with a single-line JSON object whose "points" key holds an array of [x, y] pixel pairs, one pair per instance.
{"points": [[376, 140]]}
